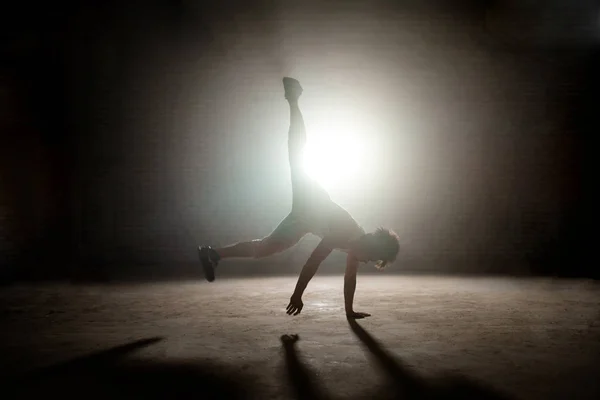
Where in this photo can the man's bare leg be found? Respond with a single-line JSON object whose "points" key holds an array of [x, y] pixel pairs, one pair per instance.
{"points": [[296, 143], [210, 257], [304, 189], [297, 131], [259, 248]]}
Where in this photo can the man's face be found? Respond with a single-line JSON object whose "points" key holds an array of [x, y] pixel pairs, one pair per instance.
{"points": [[364, 253]]}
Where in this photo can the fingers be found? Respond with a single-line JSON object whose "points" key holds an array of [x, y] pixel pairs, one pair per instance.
{"points": [[293, 309], [290, 309]]}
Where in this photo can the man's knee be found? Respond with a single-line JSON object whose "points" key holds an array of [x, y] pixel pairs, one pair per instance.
{"points": [[267, 247]]}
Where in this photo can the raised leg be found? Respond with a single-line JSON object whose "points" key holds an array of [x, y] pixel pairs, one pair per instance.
{"points": [[297, 131], [286, 235], [290, 230], [305, 191]]}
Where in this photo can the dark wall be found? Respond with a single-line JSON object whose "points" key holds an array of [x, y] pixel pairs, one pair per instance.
{"points": [[34, 144], [133, 132]]}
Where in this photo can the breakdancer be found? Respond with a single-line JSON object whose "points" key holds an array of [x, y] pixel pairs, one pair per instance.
{"points": [[313, 212]]}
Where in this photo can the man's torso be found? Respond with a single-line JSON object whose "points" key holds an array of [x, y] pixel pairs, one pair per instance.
{"points": [[328, 220]]}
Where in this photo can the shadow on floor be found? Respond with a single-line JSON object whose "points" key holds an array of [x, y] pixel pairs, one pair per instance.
{"points": [[303, 380], [403, 383], [105, 375], [109, 375]]}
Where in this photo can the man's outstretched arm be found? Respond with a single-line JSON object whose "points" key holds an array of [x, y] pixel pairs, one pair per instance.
{"points": [[319, 254], [350, 288]]}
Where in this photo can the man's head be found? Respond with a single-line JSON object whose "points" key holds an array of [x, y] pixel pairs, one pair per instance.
{"points": [[381, 246]]}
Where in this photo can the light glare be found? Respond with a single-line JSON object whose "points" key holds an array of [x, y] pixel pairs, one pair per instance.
{"points": [[337, 150]]}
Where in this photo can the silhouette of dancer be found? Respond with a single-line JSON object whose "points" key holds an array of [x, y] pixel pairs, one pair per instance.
{"points": [[314, 212]]}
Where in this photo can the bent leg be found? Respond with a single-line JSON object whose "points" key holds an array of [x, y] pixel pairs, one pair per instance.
{"points": [[286, 235]]}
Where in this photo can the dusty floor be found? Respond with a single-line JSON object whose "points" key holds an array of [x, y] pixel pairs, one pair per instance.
{"points": [[526, 338]]}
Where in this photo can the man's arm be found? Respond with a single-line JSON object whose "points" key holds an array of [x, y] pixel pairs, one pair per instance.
{"points": [[350, 283], [319, 254], [350, 288]]}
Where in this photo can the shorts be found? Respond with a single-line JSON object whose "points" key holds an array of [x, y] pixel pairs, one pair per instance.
{"points": [[309, 202]]}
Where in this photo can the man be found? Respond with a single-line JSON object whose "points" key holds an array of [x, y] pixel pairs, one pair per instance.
{"points": [[314, 212]]}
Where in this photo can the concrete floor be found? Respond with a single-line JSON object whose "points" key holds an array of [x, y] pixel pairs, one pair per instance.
{"points": [[522, 338]]}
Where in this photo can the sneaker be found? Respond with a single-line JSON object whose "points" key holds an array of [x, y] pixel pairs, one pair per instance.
{"points": [[209, 259], [292, 87]]}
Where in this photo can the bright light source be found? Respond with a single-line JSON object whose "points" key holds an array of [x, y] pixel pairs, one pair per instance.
{"points": [[338, 151]]}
